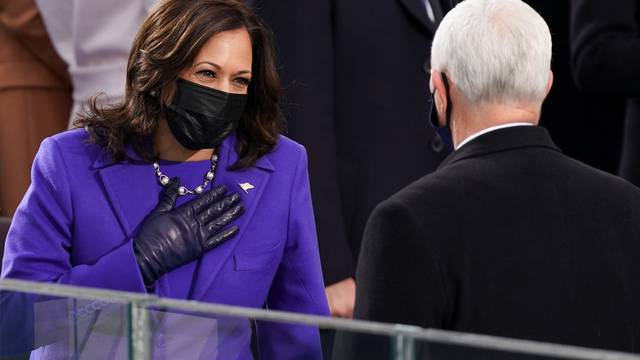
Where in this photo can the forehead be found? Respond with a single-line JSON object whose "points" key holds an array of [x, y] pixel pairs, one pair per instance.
{"points": [[227, 48]]}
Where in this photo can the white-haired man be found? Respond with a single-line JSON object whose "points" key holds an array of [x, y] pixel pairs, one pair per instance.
{"points": [[509, 236]]}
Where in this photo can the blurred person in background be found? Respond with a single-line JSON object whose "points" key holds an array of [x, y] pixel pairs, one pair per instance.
{"points": [[185, 189], [509, 237], [94, 38], [357, 97], [599, 115], [35, 96], [605, 54]]}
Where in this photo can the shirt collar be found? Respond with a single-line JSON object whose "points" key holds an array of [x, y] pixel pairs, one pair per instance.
{"points": [[490, 129]]}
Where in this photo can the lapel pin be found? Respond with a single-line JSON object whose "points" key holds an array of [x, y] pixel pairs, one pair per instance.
{"points": [[246, 187]]}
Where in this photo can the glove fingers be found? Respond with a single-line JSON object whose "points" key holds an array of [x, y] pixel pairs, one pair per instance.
{"points": [[168, 196], [223, 220], [218, 208], [220, 237], [201, 203]]}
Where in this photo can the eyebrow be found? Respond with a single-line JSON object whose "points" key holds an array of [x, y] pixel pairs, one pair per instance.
{"points": [[219, 67]]}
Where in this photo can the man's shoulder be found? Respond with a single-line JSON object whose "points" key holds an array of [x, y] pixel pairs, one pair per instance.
{"points": [[435, 190], [476, 181], [609, 184]]}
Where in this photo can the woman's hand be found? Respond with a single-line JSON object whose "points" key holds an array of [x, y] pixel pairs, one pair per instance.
{"points": [[170, 237]]}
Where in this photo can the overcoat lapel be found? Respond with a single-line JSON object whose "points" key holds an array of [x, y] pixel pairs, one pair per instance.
{"points": [[439, 11], [418, 11], [257, 177]]}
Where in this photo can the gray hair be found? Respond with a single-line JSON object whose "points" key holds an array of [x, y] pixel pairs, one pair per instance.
{"points": [[495, 51]]}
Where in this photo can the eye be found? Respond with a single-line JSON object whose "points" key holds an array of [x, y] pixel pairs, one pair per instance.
{"points": [[207, 74], [244, 82]]}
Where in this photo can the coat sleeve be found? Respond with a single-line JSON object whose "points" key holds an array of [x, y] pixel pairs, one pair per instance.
{"points": [[399, 280], [605, 46], [297, 286], [40, 241], [304, 36]]}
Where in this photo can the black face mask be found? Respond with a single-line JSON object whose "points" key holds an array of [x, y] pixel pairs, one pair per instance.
{"points": [[434, 112], [444, 132], [200, 117]]}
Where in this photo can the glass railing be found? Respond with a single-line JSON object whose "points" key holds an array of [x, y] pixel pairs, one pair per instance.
{"points": [[47, 321]]}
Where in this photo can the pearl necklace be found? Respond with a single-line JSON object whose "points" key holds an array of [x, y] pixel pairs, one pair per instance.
{"points": [[208, 177]]}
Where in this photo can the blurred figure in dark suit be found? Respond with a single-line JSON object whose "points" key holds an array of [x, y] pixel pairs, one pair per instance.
{"points": [[509, 237], [35, 96], [599, 115], [357, 98], [605, 49]]}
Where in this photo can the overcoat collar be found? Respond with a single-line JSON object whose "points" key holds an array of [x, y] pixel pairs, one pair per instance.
{"points": [[127, 185], [502, 140]]}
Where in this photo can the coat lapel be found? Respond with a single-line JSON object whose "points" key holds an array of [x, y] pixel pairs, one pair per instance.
{"points": [[254, 180], [439, 11], [418, 11], [123, 194], [128, 186]]}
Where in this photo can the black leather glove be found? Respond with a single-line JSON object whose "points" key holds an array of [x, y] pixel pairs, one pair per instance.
{"points": [[170, 237]]}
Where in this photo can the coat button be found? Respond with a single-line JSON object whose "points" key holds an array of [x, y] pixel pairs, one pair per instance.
{"points": [[437, 145]]}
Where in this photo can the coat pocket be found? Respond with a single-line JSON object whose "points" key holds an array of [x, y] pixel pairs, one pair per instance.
{"points": [[257, 259]]}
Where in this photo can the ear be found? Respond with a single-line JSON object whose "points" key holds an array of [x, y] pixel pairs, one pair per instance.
{"points": [[549, 84], [436, 84]]}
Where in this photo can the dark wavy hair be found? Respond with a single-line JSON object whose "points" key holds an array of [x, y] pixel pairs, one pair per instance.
{"points": [[168, 42]]}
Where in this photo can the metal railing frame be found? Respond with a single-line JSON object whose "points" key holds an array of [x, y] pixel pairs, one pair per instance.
{"points": [[405, 336]]}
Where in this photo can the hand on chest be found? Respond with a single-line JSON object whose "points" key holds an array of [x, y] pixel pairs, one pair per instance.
{"points": [[127, 193]]}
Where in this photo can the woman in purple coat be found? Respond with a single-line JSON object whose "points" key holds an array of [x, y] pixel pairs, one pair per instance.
{"points": [[186, 189]]}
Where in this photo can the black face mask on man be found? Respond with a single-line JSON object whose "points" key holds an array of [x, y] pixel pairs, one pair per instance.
{"points": [[434, 112], [444, 132], [200, 117]]}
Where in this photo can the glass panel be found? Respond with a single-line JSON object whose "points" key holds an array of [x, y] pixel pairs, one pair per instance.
{"points": [[200, 335], [191, 335], [54, 327], [359, 345]]}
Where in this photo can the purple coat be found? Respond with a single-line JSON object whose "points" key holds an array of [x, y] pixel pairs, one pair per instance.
{"points": [[76, 221]]}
